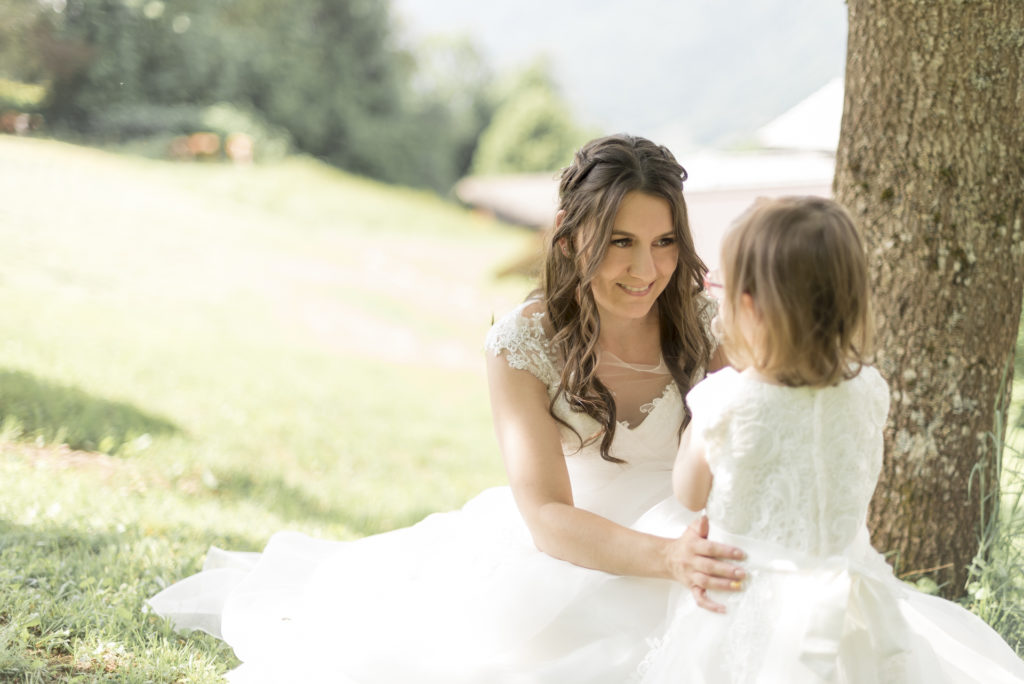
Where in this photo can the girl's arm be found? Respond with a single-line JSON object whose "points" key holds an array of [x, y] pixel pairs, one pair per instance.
{"points": [[531, 448], [691, 477]]}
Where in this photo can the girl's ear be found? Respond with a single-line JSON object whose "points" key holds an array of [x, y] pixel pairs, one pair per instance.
{"points": [[559, 217], [747, 305]]}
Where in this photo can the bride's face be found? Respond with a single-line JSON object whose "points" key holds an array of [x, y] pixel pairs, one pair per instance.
{"points": [[640, 259]]}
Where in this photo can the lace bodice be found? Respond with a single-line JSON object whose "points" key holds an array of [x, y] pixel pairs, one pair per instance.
{"points": [[647, 446], [793, 466]]}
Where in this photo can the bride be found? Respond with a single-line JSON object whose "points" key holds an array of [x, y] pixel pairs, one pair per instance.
{"points": [[564, 575]]}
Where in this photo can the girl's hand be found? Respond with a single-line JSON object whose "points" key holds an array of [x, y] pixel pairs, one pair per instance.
{"points": [[697, 563]]}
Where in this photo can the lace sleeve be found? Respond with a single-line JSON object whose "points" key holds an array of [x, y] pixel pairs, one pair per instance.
{"points": [[521, 337], [707, 309], [879, 395], [876, 405]]}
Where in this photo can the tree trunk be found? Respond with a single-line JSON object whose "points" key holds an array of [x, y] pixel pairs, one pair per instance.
{"points": [[931, 164]]}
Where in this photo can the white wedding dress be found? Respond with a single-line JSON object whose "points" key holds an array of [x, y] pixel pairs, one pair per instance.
{"points": [[794, 470], [465, 596]]}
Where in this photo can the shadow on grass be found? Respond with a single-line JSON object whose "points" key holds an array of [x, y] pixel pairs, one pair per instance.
{"points": [[32, 407], [293, 503], [63, 585], [59, 552]]}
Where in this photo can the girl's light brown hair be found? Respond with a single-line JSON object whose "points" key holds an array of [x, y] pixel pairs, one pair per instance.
{"points": [[591, 189], [802, 261]]}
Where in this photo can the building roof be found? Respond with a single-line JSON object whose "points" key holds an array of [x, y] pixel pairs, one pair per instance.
{"points": [[813, 124]]}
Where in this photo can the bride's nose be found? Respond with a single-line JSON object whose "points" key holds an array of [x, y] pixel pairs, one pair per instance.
{"points": [[642, 264]]}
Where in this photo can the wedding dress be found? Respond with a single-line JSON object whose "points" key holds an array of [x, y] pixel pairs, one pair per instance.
{"points": [[794, 470], [464, 596]]}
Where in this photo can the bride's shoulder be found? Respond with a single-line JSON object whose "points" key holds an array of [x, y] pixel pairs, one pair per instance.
{"points": [[528, 320], [522, 336]]}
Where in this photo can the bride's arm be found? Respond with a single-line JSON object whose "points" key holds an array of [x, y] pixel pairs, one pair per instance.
{"points": [[531, 448]]}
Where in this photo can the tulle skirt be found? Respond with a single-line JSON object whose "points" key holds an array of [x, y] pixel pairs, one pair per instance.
{"points": [[463, 596], [843, 619]]}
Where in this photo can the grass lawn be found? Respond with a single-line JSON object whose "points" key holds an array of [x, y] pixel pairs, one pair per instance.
{"points": [[224, 352], [197, 354]]}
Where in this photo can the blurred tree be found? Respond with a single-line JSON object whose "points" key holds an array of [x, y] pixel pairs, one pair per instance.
{"points": [[533, 128], [327, 71], [350, 96], [18, 61], [100, 54], [930, 162], [449, 102]]}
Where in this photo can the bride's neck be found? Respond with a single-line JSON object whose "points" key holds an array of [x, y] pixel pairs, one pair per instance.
{"points": [[633, 341]]}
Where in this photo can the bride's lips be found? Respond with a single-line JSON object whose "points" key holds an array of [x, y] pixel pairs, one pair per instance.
{"points": [[636, 291]]}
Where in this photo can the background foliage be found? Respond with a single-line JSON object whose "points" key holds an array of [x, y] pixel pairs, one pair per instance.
{"points": [[325, 76], [532, 129]]}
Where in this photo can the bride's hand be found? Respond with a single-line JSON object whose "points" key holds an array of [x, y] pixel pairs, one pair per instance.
{"points": [[697, 562]]}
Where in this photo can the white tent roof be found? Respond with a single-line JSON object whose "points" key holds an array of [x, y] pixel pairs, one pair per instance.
{"points": [[813, 124]]}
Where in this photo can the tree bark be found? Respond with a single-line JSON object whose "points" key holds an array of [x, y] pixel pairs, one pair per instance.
{"points": [[931, 164]]}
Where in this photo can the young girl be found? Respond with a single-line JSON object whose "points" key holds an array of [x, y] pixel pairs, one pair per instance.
{"points": [[783, 453]]}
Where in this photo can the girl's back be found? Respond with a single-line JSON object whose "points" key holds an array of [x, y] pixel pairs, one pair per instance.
{"points": [[793, 466], [794, 470]]}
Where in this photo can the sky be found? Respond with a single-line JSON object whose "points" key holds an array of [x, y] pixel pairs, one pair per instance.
{"points": [[690, 73]]}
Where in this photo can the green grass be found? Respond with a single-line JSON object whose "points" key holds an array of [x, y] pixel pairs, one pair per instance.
{"points": [[225, 352], [197, 354], [995, 589]]}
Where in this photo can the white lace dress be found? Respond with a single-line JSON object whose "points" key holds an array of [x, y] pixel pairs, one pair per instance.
{"points": [[794, 470], [465, 596]]}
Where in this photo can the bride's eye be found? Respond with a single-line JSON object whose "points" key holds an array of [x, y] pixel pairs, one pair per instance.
{"points": [[665, 241], [622, 242]]}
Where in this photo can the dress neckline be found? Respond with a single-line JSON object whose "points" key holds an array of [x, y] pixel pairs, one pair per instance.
{"points": [[660, 368], [648, 409]]}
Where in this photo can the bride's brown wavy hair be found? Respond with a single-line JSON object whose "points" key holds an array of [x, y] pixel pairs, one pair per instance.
{"points": [[590, 191]]}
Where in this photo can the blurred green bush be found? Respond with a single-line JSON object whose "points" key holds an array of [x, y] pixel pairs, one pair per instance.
{"points": [[22, 97], [532, 129]]}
